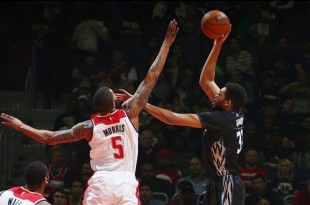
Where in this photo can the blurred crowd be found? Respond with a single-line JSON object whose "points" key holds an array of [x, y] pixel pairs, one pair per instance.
{"points": [[112, 44]]}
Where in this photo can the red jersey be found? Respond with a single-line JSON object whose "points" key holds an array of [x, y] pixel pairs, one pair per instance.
{"points": [[246, 173], [21, 196], [301, 198], [167, 174], [55, 180]]}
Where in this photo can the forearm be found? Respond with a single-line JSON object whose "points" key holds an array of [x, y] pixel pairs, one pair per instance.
{"points": [[161, 114], [208, 70], [147, 85], [207, 75], [41, 136], [159, 62]]}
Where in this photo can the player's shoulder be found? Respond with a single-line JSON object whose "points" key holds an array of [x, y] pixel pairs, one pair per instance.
{"points": [[84, 125]]}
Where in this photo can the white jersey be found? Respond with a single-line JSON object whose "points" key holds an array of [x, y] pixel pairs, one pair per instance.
{"points": [[20, 196], [114, 145]]}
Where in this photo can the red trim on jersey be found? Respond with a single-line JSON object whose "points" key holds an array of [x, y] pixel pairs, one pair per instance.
{"points": [[25, 194], [108, 119]]}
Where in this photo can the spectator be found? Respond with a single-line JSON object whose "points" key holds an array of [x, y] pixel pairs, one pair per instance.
{"points": [[264, 201], [302, 197], [59, 174], [302, 65], [186, 196], [147, 150], [256, 27], [303, 156], [239, 59], [299, 90], [87, 69], [287, 120], [59, 197], [268, 90], [120, 70], [284, 182], [284, 149], [163, 169], [251, 167], [86, 173], [75, 197], [157, 184], [260, 190], [146, 195], [196, 176], [88, 33]]}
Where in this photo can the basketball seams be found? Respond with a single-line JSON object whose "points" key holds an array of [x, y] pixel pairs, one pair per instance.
{"points": [[212, 27]]}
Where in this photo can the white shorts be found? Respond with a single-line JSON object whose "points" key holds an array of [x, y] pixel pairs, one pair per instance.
{"points": [[112, 188]]}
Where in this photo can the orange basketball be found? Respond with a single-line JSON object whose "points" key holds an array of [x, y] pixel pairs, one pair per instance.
{"points": [[214, 24]]}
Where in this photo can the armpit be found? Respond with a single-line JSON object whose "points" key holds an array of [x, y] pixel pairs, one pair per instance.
{"points": [[83, 130]]}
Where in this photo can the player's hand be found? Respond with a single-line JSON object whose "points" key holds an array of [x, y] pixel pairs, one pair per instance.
{"points": [[122, 97], [222, 39], [11, 121], [171, 32]]}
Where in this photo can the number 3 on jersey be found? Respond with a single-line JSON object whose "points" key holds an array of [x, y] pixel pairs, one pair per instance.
{"points": [[118, 147], [240, 140]]}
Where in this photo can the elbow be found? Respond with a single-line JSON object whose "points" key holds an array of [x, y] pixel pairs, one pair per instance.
{"points": [[203, 84], [170, 119], [46, 141]]}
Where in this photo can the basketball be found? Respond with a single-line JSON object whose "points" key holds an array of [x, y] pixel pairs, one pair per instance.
{"points": [[214, 24]]}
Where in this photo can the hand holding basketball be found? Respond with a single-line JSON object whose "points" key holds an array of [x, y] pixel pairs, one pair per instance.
{"points": [[214, 24]]}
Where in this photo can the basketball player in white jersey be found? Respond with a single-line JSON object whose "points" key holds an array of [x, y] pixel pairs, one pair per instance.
{"points": [[36, 176], [112, 135]]}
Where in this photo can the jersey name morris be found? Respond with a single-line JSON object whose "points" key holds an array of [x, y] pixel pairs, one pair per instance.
{"points": [[114, 129]]}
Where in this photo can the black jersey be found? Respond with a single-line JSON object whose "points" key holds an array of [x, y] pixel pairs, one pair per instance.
{"points": [[222, 141]]}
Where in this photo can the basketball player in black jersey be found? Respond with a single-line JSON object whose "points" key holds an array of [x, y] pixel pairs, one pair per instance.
{"points": [[223, 135]]}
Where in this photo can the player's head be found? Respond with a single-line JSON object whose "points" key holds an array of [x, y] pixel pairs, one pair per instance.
{"points": [[104, 100], [231, 97], [36, 175]]}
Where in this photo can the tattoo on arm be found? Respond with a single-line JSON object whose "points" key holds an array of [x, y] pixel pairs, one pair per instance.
{"points": [[80, 131]]}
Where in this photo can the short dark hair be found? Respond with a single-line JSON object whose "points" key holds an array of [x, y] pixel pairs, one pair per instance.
{"points": [[258, 176], [103, 100], [237, 94], [144, 183], [76, 179], [35, 173]]}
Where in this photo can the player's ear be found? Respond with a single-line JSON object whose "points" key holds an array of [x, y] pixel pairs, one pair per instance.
{"points": [[46, 180]]}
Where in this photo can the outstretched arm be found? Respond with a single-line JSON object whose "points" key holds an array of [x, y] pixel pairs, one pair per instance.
{"points": [[80, 131], [136, 103], [164, 115], [207, 75], [172, 118]]}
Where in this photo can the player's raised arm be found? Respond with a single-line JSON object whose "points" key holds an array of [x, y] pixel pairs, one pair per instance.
{"points": [[80, 131], [207, 75], [135, 104]]}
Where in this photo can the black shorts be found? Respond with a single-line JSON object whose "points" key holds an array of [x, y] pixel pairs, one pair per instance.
{"points": [[227, 190]]}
